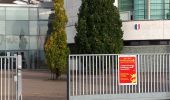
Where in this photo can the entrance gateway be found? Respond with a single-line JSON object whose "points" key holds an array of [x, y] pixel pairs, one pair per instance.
{"points": [[10, 77], [119, 77]]}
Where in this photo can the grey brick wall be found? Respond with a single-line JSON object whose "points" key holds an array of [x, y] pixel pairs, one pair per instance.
{"points": [[147, 49]]}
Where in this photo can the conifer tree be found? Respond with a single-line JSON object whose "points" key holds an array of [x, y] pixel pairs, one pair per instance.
{"points": [[56, 49], [98, 28]]}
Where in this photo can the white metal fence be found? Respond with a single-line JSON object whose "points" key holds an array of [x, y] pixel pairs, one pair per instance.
{"points": [[10, 77], [95, 77]]}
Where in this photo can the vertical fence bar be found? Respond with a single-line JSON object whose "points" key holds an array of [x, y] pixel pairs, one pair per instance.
{"points": [[100, 74], [12, 76], [19, 75], [142, 72], [148, 65], [90, 72], [138, 61], [163, 81], [113, 74], [86, 78], [151, 66], [116, 70], [5, 79], [131, 88], [83, 75], [80, 74], [103, 73], [96, 75], [110, 87], [160, 74], [73, 75], [145, 70], [93, 75], [69, 80], [166, 78], [16, 80], [106, 75], [76, 76], [8, 67], [154, 84], [157, 70]]}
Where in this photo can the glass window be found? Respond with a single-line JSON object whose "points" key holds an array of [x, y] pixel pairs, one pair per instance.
{"points": [[12, 42], [2, 53], [33, 42], [2, 42], [44, 14], [41, 60], [144, 42], [2, 27], [163, 42], [33, 59], [33, 27], [159, 9], [16, 13], [23, 42], [125, 5], [43, 27], [17, 27], [134, 43], [41, 41], [17, 42], [33, 14], [2, 14]]}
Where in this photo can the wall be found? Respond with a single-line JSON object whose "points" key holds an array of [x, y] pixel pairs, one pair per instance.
{"points": [[116, 3], [147, 49], [125, 15], [72, 9], [149, 30]]}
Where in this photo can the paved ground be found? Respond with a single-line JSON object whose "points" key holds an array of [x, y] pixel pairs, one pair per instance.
{"points": [[37, 86]]}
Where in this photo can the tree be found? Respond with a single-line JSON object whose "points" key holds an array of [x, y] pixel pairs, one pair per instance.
{"points": [[56, 50], [99, 28]]}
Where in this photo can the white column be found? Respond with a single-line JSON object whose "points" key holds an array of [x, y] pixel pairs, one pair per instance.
{"points": [[148, 9], [116, 3]]}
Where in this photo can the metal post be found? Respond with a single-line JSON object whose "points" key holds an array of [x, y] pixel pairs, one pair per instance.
{"points": [[19, 77], [148, 9], [68, 79], [8, 74]]}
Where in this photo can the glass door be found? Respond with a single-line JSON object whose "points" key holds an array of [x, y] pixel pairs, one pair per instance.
{"points": [[25, 58]]}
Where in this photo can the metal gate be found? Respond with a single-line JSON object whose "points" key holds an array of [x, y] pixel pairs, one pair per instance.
{"points": [[95, 77], [10, 77]]}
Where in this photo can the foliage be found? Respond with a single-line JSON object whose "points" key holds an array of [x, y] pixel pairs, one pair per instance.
{"points": [[56, 49], [99, 28]]}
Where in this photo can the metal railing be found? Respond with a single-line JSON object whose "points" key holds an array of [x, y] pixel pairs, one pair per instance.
{"points": [[10, 77], [97, 74]]}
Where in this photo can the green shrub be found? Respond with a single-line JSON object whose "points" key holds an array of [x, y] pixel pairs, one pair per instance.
{"points": [[99, 28], [56, 49]]}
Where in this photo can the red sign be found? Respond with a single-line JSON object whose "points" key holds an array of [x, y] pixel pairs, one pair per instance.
{"points": [[127, 70]]}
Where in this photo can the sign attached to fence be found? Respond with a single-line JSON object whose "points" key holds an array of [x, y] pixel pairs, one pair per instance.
{"points": [[127, 69]]}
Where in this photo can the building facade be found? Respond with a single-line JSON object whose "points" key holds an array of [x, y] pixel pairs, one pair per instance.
{"points": [[145, 25], [146, 9], [23, 30]]}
